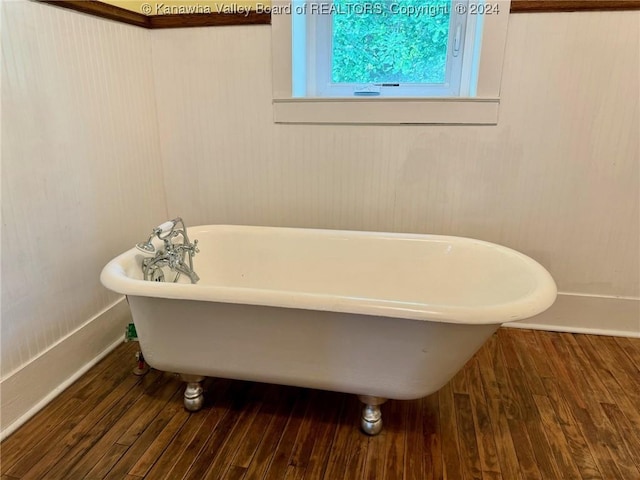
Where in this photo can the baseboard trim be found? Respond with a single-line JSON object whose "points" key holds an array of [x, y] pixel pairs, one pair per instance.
{"points": [[595, 315], [28, 389]]}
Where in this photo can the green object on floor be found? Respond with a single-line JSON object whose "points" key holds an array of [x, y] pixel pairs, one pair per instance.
{"points": [[130, 334]]}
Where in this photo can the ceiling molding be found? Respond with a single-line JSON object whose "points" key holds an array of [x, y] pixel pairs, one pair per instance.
{"points": [[112, 12]]}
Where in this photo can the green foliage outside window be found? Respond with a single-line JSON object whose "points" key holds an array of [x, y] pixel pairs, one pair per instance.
{"points": [[396, 41]]}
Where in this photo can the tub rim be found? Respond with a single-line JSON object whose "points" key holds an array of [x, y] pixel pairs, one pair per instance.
{"points": [[114, 277]]}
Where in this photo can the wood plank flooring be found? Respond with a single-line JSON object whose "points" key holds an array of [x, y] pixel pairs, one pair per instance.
{"points": [[528, 405]]}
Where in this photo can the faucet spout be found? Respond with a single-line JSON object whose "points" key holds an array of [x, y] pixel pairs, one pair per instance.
{"points": [[184, 269]]}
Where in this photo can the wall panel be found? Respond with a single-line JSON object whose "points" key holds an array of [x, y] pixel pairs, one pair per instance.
{"points": [[81, 175]]}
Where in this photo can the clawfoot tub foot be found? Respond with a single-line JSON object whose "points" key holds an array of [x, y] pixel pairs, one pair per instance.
{"points": [[371, 421], [194, 393]]}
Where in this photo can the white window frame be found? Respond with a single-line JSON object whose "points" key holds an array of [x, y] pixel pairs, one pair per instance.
{"points": [[479, 108]]}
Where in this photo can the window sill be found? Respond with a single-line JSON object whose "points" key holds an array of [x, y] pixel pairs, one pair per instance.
{"points": [[387, 111]]}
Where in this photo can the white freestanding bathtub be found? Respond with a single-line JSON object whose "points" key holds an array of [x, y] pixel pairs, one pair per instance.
{"points": [[380, 315]]}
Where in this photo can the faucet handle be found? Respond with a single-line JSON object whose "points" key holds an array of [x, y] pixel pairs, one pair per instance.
{"points": [[166, 226]]}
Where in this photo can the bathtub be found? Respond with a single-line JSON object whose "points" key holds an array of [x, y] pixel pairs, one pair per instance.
{"points": [[379, 315]]}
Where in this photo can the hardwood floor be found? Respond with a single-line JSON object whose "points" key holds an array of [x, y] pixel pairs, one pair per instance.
{"points": [[529, 405]]}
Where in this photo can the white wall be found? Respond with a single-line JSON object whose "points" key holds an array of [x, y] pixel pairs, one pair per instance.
{"points": [[81, 182], [557, 179]]}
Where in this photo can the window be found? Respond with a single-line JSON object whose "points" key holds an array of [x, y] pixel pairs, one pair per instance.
{"points": [[388, 61], [379, 48]]}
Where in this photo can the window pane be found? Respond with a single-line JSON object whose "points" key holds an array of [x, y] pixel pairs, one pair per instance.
{"points": [[397, 41]]}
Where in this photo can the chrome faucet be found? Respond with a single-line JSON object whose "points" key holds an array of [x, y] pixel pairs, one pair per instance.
{"points": [[177, 249]]}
